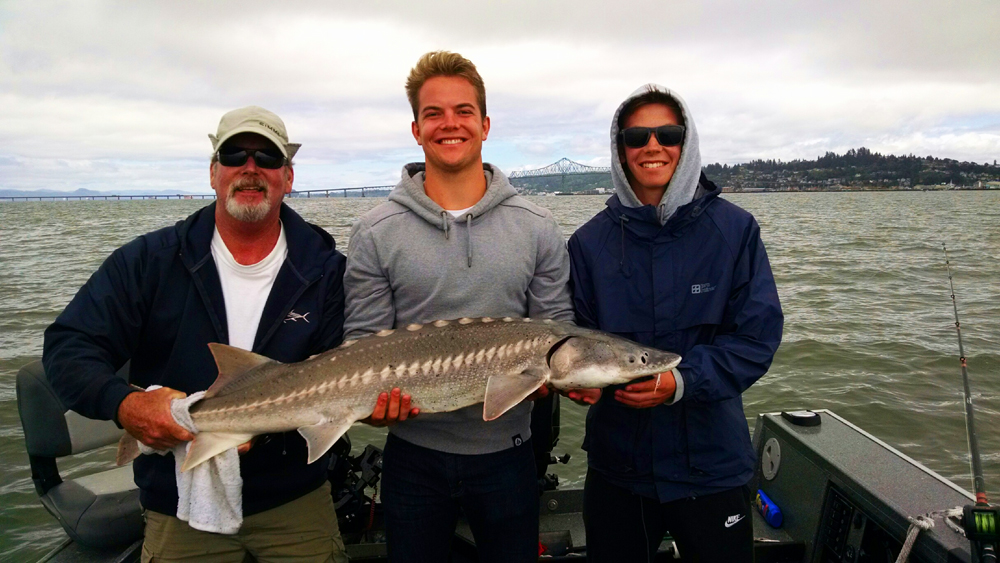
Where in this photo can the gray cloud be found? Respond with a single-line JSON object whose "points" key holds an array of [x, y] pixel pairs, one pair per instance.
{"points": [[123, 93]]}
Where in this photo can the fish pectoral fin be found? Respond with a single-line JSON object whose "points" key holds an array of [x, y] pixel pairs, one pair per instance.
{"points": [[207, 445], [320, 437], [233, 363], [505, 391]]}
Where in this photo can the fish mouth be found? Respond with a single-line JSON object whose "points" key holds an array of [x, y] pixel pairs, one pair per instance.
{"points": [[665, 362], [664, 368]]}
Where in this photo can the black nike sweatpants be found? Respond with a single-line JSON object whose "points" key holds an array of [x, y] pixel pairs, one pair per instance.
{"points": [[623, 527]]}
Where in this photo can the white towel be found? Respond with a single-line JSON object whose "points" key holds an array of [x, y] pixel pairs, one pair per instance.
{"points": [[210, 496]]}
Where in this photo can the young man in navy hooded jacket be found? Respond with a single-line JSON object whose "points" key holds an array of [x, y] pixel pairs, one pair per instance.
{"points": [[670, 264]]}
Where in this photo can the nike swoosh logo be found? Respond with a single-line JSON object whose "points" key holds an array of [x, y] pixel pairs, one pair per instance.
{"points": [[730, 522]]}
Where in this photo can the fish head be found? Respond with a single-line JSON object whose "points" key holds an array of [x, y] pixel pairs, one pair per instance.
{"points": [[594, 360]]}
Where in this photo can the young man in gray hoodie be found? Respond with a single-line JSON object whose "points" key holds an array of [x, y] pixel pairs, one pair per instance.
{"points": [[455, 240]]}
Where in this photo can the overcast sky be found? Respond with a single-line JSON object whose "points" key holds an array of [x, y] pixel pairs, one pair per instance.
{"points": [[121, 95]]}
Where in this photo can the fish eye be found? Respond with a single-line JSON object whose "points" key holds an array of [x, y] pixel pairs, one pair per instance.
{"points": [[631, 359]]}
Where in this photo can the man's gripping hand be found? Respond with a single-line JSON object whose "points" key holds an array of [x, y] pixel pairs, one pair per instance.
{"points": [[585, 397], [648, 393], [146, 416], [539, 393], [391, 408]]}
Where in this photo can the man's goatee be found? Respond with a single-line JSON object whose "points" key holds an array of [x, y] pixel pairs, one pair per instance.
{"points": [[248, 213]]}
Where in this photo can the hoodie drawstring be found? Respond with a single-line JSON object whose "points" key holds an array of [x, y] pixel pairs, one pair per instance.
{"points": [[468, 230], [622, 219], [444, 223]]}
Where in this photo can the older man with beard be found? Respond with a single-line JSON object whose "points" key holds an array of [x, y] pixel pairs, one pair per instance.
{"points": [[245, 271]]}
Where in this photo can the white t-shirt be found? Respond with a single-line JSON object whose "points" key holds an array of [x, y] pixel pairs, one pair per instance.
{"points": [[457, 213], [245, 288]]}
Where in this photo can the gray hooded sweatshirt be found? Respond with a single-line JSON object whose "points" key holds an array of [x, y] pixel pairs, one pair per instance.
{"points": [[410, 261], [683, 186]]}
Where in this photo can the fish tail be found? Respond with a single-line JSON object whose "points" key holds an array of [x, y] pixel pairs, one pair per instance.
{"points": [[128, 449]]}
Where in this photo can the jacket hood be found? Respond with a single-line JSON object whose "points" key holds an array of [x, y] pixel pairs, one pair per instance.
{"points": [[644, 222], [409, 193], [683, 184]]}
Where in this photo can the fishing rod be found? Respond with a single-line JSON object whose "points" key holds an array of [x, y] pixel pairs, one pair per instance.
{"points": [[980, 520], [978, 483]]}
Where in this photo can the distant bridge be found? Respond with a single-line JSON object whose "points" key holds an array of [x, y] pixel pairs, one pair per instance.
{"points": [[102, 197], [562, 167], [362, 191], [375, 191]]}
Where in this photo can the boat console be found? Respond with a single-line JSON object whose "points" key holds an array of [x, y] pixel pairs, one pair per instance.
{"points": [[846, 496]]}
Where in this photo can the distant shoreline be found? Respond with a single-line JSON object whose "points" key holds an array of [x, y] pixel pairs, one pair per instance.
{"points": [[797, 191], [299, 195], [851, 190]]}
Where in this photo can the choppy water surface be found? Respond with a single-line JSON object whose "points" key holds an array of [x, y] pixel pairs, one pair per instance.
{"points": [[868, 321]]}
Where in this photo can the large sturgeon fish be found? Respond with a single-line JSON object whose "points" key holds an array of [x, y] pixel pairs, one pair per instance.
{"points": [[444, 366]]}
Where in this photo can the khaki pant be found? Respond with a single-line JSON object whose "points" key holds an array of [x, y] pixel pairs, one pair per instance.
{"points": [[304, 530]]}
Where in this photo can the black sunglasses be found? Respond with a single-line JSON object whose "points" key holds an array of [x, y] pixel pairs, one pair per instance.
{"points": [[264, 159], [666, 135]]}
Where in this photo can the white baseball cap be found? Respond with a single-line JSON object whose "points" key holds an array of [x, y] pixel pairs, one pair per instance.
{"points": [[254, 119]]}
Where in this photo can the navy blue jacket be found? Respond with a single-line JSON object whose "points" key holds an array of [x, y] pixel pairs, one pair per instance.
{"points": [[158, 302], [700, 286]]}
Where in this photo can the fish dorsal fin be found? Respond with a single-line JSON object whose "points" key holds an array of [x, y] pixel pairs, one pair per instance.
{"points": [[505, 391], [233, 362]]}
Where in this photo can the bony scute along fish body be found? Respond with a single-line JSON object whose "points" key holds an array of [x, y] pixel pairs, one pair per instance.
{"points": [[443, 365]]}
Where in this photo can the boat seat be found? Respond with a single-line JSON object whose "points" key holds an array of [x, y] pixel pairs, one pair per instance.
{"points": [[98, 510]]}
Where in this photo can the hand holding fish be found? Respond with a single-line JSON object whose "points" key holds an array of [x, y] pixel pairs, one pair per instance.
{"points": [[539, 393], [584, 397], [649, 393], [391, 408], [146, 416]]}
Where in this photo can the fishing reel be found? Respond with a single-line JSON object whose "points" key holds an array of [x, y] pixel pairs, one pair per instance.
{"points": [[349, 477], [545, 425], [982, 528]]}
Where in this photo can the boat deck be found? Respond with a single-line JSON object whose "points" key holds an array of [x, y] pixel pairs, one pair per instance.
{"points": [[845, 496]]}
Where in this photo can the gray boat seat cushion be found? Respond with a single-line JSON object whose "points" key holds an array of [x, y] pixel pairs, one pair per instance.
{"points": [[50, 429], [97, 510]]}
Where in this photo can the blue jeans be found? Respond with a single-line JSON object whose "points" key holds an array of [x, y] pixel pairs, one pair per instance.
{"points": [[423, 491]]}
